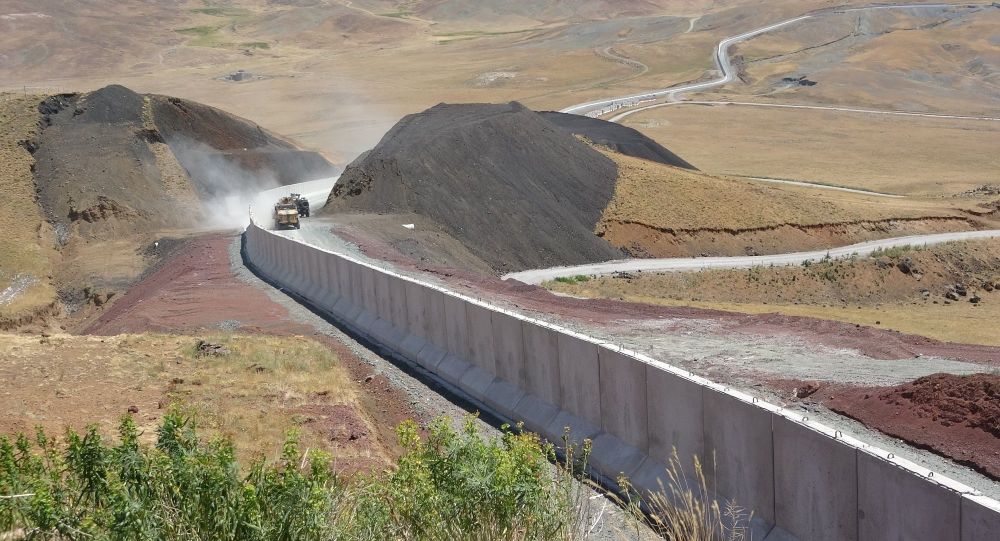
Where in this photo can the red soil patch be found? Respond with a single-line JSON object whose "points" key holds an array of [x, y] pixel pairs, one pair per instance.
{"points": [[196, 289], [954, 416]]}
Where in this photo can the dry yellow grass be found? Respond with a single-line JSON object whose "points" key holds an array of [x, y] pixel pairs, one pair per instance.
{"points": [[901, 155], [24, 242], [666, 197], [264, 387]]}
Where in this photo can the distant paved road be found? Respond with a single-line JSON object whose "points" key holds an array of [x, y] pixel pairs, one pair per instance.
{"points": [[690, 264]]}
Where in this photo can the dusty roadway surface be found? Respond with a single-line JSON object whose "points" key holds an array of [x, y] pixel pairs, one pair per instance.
{"points": [[769, 355]]}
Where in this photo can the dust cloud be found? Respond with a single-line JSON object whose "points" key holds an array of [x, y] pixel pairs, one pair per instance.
{"points": [[225, 188]]}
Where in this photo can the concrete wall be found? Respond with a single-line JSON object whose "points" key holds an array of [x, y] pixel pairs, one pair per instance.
{"points": [[801, 479]]}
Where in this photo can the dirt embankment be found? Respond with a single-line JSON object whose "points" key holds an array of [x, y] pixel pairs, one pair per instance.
{"points": [[955, 416], [516, 190], [643, 240]]}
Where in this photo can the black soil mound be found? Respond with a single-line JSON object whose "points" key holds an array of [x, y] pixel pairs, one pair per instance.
{"points": [[113, 160], [200, 135], [621, 139], [516, 190]]}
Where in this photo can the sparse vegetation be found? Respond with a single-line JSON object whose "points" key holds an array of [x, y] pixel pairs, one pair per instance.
{"points": [[452, 484], [902, 288], [216, 11], [896, 252], [579, 278]]}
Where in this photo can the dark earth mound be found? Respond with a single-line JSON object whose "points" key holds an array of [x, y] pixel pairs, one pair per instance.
{"points": [[956, 416], [114, 161], [513, 188], [197, 133], [618, 138]]}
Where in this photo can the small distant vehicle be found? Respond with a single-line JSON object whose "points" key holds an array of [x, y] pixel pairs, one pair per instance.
{"points": [[286, 214], [302, 204]]}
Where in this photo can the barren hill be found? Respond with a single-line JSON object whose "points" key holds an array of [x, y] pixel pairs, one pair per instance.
{"points": [[94, 179], [514, 189]]}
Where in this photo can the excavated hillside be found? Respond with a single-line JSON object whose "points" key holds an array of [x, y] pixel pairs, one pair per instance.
{"points": [[514, 189], [94, 184], [114, 160], [621, 139]]}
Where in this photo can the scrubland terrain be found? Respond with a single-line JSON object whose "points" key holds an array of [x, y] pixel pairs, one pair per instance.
{"points": [[889, 154], [663, 211], [947, 292], [251, 389]]}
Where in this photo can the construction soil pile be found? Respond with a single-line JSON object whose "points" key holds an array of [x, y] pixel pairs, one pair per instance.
{"points": [[516, 190], [956, 416], [615, 137]]}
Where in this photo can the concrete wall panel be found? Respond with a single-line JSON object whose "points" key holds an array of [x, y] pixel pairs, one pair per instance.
{"points": [[573, 427], [369, 300], [383, 295], [623, 397], [354, 272], [431, 356], [980, 518], [541, 362], [477, 382], [344, 282], [739, 436], [417, 307], [579, 378], [613, 457], [675, 417], [503, 397], [815, 483], [481, 351], [457, 327], [435, 318], [895, 504], [314, 289], [397, 312], [537, 413], [508, 348], [452, 369], [331, 285]]}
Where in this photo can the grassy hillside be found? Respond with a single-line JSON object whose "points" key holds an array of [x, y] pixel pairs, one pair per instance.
{"points": [[663, 211]]}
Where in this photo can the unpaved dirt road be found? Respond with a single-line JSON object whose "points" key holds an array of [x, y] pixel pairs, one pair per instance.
{"points": [[689, 264]]}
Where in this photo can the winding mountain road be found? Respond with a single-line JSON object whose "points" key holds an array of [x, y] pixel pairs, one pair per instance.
{"points": [[742, 262], [601, 107]]}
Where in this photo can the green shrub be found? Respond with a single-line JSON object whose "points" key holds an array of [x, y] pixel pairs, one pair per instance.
{"points": [[453, 484]]}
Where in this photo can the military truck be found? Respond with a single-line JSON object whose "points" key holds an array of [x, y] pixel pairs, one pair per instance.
{"points": [[286, 214], [302, 204]]}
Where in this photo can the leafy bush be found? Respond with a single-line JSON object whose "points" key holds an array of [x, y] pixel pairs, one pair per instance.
{"points": [[454, 484]]}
